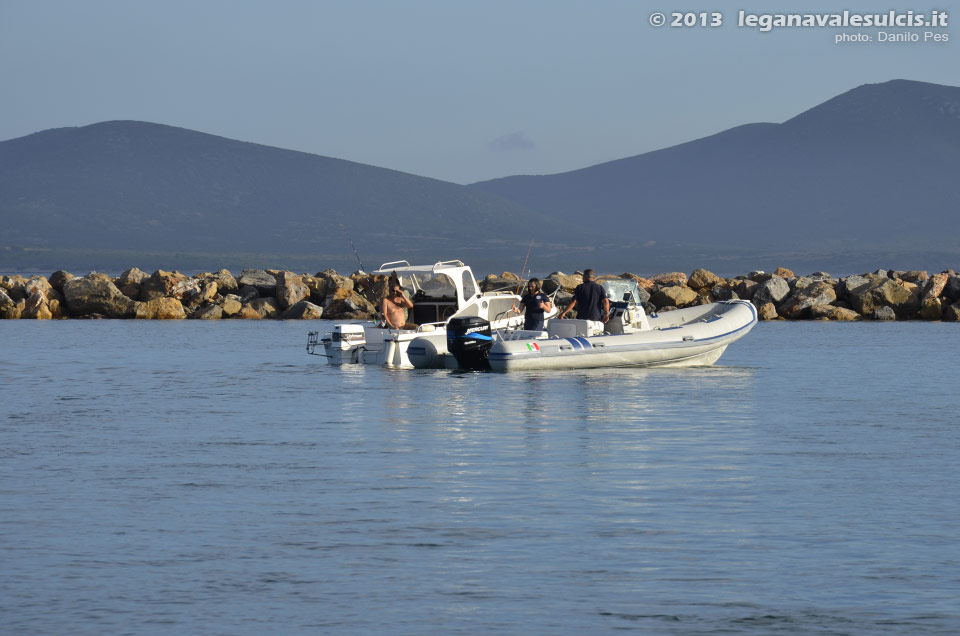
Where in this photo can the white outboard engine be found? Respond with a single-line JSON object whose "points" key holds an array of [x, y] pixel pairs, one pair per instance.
{"points": [[344, 344]]}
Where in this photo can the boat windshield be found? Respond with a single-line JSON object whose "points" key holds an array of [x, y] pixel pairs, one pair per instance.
{"points": [[621, 290], [431, 285]]}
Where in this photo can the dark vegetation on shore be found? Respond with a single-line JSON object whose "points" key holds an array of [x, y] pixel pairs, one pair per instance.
{"points": [[281, 294]]}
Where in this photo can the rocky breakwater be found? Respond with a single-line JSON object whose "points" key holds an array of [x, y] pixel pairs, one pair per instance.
{"points": [[782, 295], [276, 294], [162, 295]]}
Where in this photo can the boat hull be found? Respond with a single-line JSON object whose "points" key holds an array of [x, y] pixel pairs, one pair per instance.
{"points": [[695, 337]]}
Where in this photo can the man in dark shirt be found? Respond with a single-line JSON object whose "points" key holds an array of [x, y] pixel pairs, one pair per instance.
{"points": [[590, 299], [535, 303]]}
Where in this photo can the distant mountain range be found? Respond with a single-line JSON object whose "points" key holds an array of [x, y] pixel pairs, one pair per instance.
{"points": [[874, 168], [866, 179], [142, 187]]}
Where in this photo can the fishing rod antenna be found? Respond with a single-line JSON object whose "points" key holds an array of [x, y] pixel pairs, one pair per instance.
{"points": [[352, 246]]}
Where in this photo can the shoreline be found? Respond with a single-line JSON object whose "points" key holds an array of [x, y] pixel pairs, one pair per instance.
{"points": [[257, 294]]}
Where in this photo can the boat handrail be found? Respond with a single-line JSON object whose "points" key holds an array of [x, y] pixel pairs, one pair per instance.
{"points": [[454, 263], [394, 263]]}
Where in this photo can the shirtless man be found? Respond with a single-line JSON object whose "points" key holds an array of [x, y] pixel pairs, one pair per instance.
{"points": [[393, 305]]}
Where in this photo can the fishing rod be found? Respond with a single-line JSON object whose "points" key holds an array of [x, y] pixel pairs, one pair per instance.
{"points": [[524, 268], [520, 282], [353, 247]]}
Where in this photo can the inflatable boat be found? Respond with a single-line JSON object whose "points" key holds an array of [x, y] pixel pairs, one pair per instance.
{"points": [[694, 336]]}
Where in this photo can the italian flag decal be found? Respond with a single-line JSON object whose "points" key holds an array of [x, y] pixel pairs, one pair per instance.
{"points": [[533, 346]]}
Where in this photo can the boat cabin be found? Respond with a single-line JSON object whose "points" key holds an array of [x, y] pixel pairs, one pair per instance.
{"points": [[438, 291]]}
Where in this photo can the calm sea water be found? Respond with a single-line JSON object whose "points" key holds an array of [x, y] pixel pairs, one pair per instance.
{"points": [[193, 477]]}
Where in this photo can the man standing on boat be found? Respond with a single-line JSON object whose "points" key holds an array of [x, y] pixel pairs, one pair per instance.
{"points": [[394, 304], [535, 303], [591, 299]]}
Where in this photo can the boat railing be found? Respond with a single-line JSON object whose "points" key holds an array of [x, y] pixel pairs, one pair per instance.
{"points": [[393, 264], [441, 264]]}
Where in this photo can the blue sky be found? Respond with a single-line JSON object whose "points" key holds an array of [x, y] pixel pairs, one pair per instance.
{"points": [[455, 90]]}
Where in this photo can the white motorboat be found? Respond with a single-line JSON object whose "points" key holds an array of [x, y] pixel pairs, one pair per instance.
{"points": [[694, 336], [439, 292]]}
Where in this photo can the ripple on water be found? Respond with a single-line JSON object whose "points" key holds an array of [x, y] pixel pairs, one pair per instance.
{"points": [[199, 478]]}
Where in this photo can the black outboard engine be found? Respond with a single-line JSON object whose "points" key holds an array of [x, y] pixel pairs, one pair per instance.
{"points": [[469, 340]]}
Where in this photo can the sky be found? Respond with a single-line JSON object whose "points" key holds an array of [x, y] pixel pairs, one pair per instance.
{"points": [[449, 89]]}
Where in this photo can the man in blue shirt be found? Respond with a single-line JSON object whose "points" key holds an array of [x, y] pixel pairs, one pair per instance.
{"points": [[535, 303], [590, 299]]}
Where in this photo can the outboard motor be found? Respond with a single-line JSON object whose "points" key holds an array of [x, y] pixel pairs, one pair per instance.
{"points": [[469, 340]]}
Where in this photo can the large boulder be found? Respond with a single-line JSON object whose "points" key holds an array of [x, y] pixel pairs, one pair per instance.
{"points": [[161, 309], [931, 309], [933, 287], [723, 292], [334, 282], [745, 288], [130, 282], [199, 292], [94, 294], [902, 298], [208, 293], [830, 312], [802, 300], [260, 308], [370, 286], [42, 285], [264, 282], [567, 282], [883, 313], [669, 278], [290, 289], [15, 287], [14, 311], [644, 283], [246, 293], [226, 283], [188, 289], [493, 282], [767, 311], [36, 307], [914, 276], [772, 290], [318, 288], [850, 285], [348, 304], [59, 278], [701, 279], [232, 304], [8, 306], [163, 284], [134, 275], [951, 291], [303, 310], [675, 296], [5, 300], [952, 313], [210, 312], [783, 272]]}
